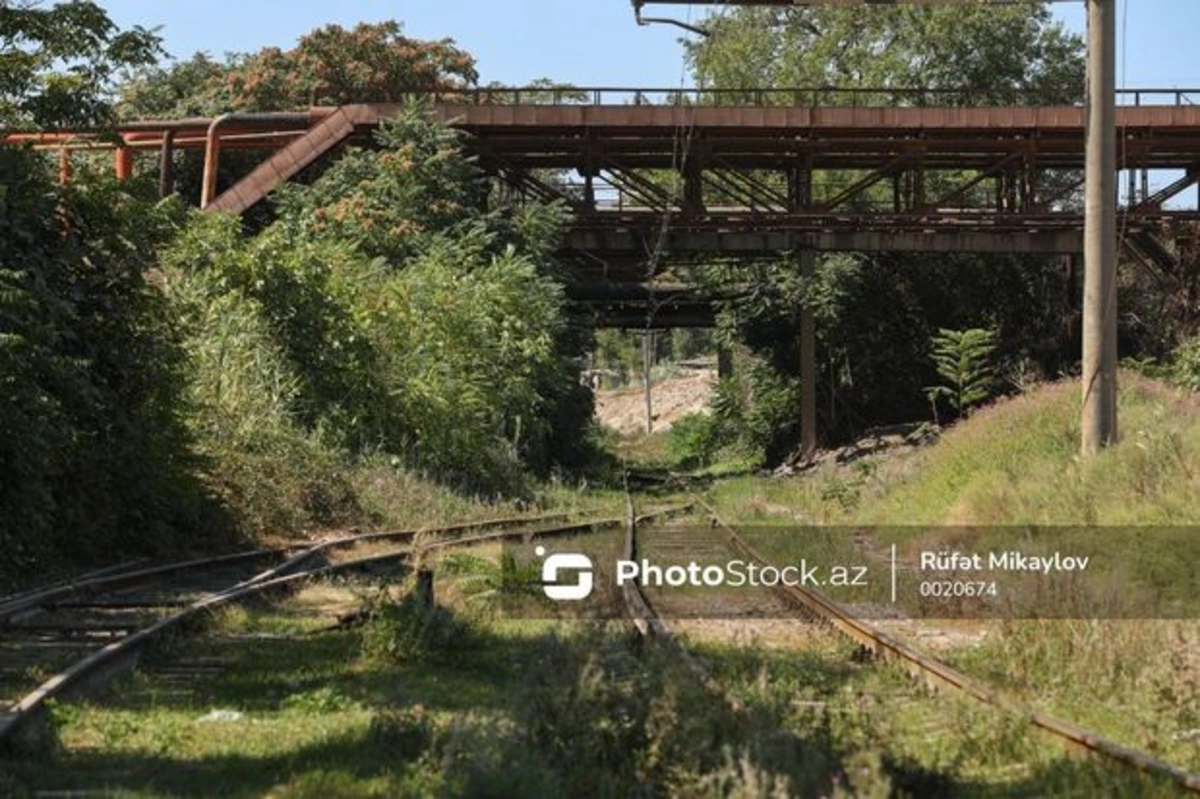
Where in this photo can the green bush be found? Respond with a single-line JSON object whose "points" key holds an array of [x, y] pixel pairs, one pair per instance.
{"points": [[1185, 365], [408, 630], [963, 359], [94, 457], [757, 411], [694, 439], [384, 313], [243, 395]]}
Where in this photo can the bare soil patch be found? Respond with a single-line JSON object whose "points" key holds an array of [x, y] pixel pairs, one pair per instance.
{"points": [[624, 410]]}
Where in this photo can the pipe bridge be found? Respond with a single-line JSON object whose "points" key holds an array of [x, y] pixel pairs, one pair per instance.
{"points": [[655, 175]]}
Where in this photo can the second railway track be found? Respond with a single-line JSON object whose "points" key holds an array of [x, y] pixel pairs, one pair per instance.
{"points": [[661, 614]]}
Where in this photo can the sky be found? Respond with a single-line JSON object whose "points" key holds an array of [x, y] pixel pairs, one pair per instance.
{"points": [[586, 42]]}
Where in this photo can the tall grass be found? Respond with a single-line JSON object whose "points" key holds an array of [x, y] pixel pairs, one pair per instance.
{"points": [[1014, 462], [1017, 462]]}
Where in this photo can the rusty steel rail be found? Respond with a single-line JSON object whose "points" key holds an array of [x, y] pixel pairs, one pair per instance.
{"points": [[33, 703], [277, 576], [96, 582], [939, 675], [647, 621]]}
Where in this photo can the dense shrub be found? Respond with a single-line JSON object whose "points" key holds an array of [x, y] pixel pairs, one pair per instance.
{"points": [[1185, 365], [94, 456], [385, 313], [694, 440]]}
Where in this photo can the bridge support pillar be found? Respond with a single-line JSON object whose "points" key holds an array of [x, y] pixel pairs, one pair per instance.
{"points": [[808, 360], [693, 186], [799, 185], [647, 368], [589, 191]]}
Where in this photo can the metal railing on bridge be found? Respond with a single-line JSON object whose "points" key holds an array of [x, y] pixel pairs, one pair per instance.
{"points": [[831, 96]]}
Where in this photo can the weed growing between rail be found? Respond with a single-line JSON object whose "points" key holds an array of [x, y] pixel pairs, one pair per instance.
{"points": [[276, 701], [910, 741]]}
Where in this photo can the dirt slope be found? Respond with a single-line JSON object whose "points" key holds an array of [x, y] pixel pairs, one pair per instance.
{"points": [[624, 410]]}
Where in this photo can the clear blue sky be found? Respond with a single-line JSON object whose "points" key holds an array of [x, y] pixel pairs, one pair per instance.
{"points": [[586, 42]]}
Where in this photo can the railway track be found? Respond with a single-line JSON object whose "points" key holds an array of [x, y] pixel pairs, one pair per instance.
{"points": [[72, 635], [650, 611]]}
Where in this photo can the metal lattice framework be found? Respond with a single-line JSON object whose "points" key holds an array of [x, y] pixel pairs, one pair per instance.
{"points": [[763, 171]]}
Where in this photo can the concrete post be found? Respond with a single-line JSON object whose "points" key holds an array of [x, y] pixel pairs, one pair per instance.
{"points": [[1099, 421]]}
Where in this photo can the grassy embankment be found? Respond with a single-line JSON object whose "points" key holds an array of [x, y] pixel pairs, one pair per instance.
{"points": [[1016, 464]]}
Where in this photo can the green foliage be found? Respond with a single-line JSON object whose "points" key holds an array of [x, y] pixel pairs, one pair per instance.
{"points": [[875, 312], [242, 400], [331, 65], [371, 63], [390, 204], [693, 441], [192, 88], [484, 580], [1185, 365], [387, 314], [993, 55], [93, 453], [57, 61], [756, 409], [963, 359], [479, 360], [408, 630]]}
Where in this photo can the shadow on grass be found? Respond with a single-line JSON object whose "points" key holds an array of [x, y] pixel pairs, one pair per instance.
{"points": [[517, 710]]}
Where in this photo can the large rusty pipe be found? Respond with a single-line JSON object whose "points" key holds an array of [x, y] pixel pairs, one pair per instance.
{"points": [[212, 146], [302, 119], [123, 162], [262, 140], [212, 159]]}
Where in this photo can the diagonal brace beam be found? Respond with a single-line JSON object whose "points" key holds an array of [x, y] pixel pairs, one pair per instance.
{"points": [[869, 180], [990, 172], [1155, 201]]}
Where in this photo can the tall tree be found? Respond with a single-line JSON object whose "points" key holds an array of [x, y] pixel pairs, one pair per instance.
{"points": [[333, 65], [990, 56], [57, 62]]}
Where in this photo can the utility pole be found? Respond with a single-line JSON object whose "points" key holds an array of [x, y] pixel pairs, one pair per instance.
{"points": [[1099, 421]]}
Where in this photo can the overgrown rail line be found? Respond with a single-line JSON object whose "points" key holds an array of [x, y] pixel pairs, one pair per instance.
{"points": [[85, 630], [815, 606]]}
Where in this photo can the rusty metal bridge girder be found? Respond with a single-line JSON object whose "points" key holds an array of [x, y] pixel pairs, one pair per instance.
{"points": [[1000, 179]]}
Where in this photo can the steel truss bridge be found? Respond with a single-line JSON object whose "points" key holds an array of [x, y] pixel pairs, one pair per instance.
{"points": [[660, 175]]}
